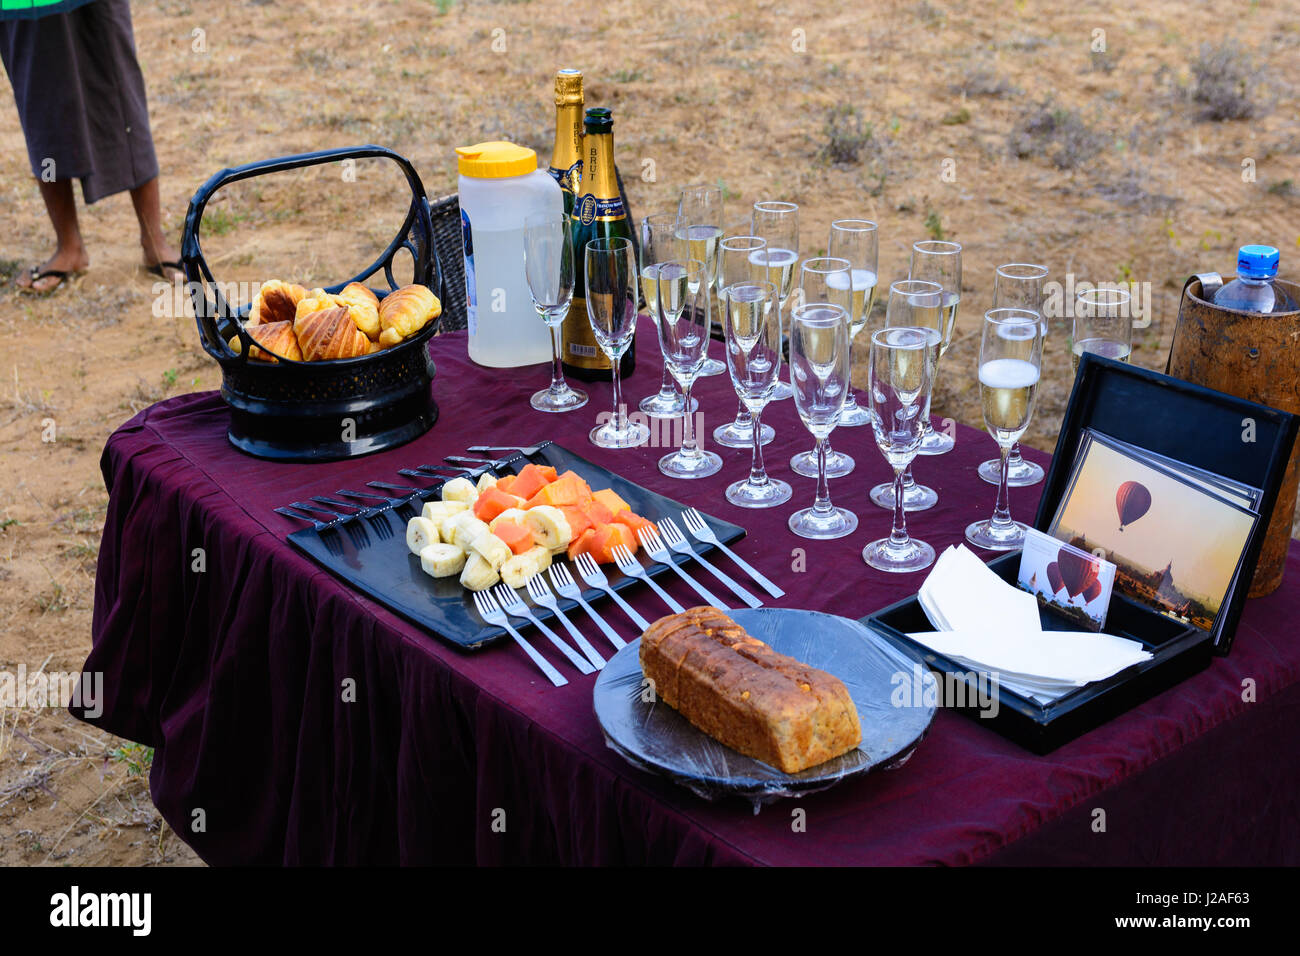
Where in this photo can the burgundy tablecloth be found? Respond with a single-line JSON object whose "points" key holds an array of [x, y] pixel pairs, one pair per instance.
{"points": [[236, 669]]}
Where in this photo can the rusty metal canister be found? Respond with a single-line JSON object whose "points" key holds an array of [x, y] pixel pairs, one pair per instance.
{"points": [[1253, 356]]}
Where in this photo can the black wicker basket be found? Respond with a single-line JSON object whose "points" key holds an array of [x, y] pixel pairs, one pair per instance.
{"points": [[320, 411]]}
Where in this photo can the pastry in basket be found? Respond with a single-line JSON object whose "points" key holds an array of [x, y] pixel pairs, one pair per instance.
{"points": [[362, 306], [330, 334], [276, 301], [744, 694], [406, 311], [277, 337], [317, 300]]}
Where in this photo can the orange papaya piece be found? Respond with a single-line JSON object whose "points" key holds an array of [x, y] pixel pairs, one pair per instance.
{"points": [[578, 521], [505, 484], [581, 544], [633, 521], [611, 500], [518, 538], [598, 513], [548, 472], [529, 481], [566, 491], [606, 538], [492, 502]]}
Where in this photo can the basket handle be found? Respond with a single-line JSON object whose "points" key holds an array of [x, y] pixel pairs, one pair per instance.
{"points": [[415, 236]]}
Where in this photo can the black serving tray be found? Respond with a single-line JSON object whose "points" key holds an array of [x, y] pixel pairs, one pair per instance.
{"points": [[1174, 418], [369, 553]]}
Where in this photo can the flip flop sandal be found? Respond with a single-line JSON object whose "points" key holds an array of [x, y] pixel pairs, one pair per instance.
{"points": [[159, 269], [37, 274]]}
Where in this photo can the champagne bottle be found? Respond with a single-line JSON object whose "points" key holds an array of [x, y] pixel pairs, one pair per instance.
{"points": [[598, 212], [566, 155]]}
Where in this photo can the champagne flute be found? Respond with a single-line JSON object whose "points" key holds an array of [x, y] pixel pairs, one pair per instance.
{"points": [[900, 379], [825, 279], [1017, 285], [856, 240], [819, 371], [661, 241], [913, 303], [611, 309], [548, 266], [1103, 325], [751, 318], [736, 264], [701, 208], [684, 322], [934, 260], [778, 223], [1011, 358]]}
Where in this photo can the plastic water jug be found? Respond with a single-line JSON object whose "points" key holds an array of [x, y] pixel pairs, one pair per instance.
{"points": [[500, 185]]}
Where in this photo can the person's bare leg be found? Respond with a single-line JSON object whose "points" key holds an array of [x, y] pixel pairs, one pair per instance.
{"points": [[70, 252], [149, 212]]}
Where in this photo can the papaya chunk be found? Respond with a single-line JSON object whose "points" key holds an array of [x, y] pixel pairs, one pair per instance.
{"points": [[505, 484], [598, 513], [633, 520], [581, 544], [566, 490], [605, 538], [492, 502], [579, 521], [530, 480], [517, 537], [611, 500]]}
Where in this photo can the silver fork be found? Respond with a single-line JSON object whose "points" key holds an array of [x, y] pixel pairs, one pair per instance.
{"points": [[595, 577], [654, 546], [541, 594], [674, 538], [514, 605], [629, 565], [491, 612], [698, 527], [567, 587]]}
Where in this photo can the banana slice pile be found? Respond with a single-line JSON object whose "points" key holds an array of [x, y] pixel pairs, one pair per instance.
{"points": [[450, 540]]}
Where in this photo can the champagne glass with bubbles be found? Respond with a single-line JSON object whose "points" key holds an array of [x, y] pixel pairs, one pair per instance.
{"points": [[900, 378], [934, 260], [1017, 285], [611, 309], [684, 323], [548, 266], [819, 372], [914, 303], [856, 240], [661, 241], [778, 223], [825, 279], [736, 255], [1010, 363], [752, 323], [700, 206]]}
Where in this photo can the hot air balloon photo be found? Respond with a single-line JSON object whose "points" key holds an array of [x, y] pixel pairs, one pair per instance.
{"points": [[1132, 501], [1074, 584], [1175, 542], [1078, 571]]}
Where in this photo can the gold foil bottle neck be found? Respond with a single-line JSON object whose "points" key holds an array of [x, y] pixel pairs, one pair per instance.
{"points": [[568, 88]]}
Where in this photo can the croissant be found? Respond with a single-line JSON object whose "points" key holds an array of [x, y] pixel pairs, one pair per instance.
{"points": [[406, 311], [316, 300], [362, 306], [330, 334], [276, 301], [276, 336]]}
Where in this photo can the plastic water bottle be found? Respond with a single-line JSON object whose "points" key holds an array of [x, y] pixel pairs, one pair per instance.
{"points": [[1254, 289]]}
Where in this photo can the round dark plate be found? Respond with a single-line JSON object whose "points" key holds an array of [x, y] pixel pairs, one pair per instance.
{"points": [[655, 737]]}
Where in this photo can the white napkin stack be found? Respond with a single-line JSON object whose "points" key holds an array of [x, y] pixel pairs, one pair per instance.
{"points": [[986, 624]]}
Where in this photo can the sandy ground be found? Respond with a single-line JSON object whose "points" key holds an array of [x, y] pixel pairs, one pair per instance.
{"points": [[1121, 175]]}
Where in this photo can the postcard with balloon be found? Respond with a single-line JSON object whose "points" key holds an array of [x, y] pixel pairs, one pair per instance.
{"points": [[1176, 535], [1075, 583]]}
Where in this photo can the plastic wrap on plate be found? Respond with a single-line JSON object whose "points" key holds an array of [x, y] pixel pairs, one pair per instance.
{"points": [[880, 678]]}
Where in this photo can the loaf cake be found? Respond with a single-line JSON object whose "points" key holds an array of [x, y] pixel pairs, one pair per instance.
{"points": [[744, 694]]}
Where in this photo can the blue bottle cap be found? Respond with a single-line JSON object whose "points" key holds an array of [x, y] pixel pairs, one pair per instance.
{"points": [[1257, 262]]}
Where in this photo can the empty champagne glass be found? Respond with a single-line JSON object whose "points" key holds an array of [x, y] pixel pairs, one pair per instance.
{"points": [[751, 318], [736, 263], [548, 266], [1103, 325], [1017, 285], [914, 304], [701, 208], [819, 371], [934, 260], [900, 378], [684, 323], [611, 308], [856, 240], [1011, 356], [824, 279], [661, 241], [778, 223]]}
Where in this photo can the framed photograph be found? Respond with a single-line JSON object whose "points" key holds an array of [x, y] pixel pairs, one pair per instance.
{"points": [[1074, 582], [1177, 543], [1244, 495]]}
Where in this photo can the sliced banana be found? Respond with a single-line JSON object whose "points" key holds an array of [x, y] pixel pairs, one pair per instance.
{"points": [[485, 481], [493, 550], [542, 555], [421, 532], [459, 489], [477, 574], [510, 514], [464, 527], [437, 511], [516, 572], [442, 560], [549, 526]]}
